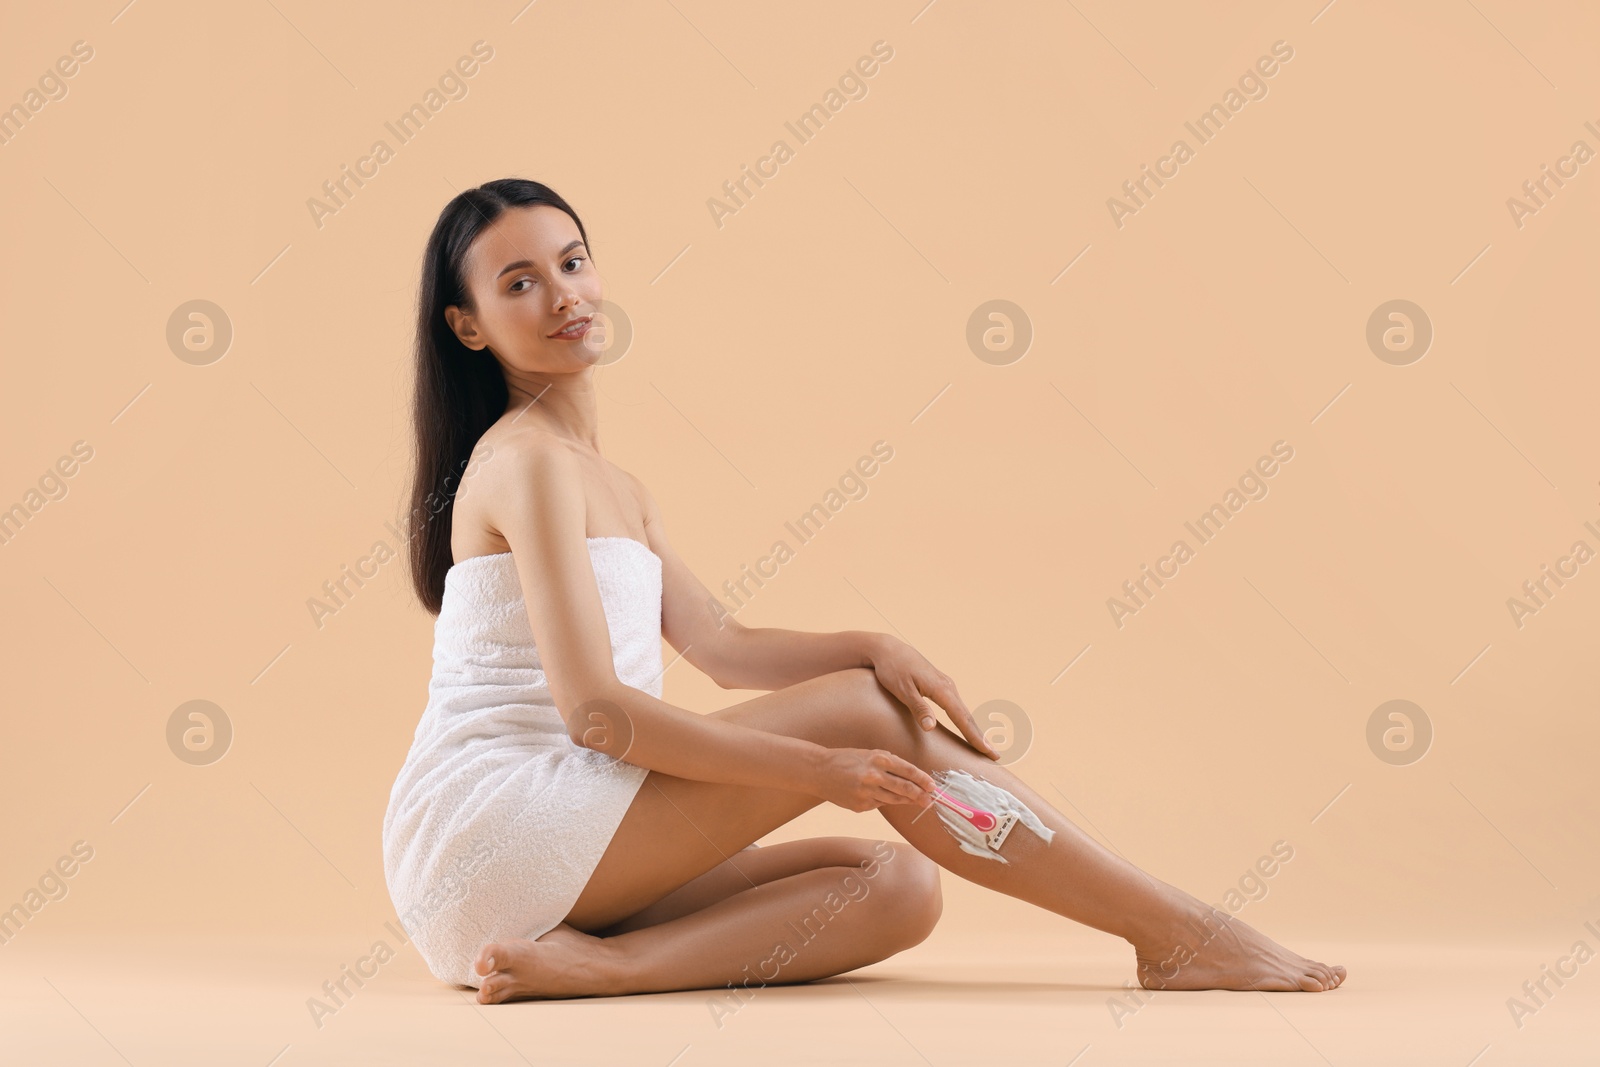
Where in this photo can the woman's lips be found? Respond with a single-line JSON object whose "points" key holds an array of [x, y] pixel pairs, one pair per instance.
{"points": [[575, 333]]}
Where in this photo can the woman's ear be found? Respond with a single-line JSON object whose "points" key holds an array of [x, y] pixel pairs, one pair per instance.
{"points": [[465, 328]]}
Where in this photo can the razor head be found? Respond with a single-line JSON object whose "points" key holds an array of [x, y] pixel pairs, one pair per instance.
{"points": [[996, 837]]}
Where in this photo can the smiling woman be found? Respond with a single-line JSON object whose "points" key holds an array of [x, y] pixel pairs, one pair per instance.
{"points": [[622, 823]]}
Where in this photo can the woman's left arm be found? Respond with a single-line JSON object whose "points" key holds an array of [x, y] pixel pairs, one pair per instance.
{"points": [[767, 658], [735, 656]]}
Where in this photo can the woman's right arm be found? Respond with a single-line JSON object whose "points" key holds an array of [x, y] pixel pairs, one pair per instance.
{"points": [[534, 498]]}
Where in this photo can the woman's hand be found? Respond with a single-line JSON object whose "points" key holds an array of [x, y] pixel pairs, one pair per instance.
{"points": [[923, 688], [865, 778]]}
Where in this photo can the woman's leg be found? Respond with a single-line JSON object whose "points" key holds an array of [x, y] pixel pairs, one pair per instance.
{"points": [[790, 912], [753, 867], [1179, 941], [677, 829]]}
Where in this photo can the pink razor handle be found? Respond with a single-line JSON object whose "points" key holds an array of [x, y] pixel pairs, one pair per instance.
{"points": [[980, 820]]}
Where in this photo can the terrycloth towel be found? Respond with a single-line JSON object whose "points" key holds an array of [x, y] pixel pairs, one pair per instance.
{"points": [[497, 819]]}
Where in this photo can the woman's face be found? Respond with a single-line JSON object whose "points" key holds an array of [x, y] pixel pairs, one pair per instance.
{"points": [[530, 275]]}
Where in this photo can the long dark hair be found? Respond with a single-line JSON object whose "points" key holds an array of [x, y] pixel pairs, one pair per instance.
{"points": [[459, 393]]}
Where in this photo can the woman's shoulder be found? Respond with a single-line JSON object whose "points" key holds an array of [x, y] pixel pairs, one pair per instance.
{"points": [[508, 463], [527, 455], [522, 446]]}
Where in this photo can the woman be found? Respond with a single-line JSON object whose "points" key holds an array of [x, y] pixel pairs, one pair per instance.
{"points": [[557, 829]]}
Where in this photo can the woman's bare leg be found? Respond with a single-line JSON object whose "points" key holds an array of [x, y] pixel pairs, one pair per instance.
{"points": [[677, 829], [748, 868], [1179, 941], [791, 912]]}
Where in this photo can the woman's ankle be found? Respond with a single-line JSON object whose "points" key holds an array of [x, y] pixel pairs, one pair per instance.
{"points": [[1172, 920]]}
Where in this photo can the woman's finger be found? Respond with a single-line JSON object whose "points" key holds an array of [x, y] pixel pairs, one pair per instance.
{"points": [[894, 796], [968, 725], [970, 728], [954, 702], [906, 769], [921, 710], [885, 783], [906, 791], [917, 781]]}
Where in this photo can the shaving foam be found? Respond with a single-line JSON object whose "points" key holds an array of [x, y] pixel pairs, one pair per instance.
{"points": [[983, 794]]}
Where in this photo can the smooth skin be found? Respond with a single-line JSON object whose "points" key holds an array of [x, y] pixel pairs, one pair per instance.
{"points": [[678, 901]]}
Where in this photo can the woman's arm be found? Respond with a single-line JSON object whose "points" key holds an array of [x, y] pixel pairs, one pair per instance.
{"points": [[767, 658], [733, 655], [535, 501]]}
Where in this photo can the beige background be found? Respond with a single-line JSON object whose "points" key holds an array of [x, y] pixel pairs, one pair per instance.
{"points": [[828, 313]]}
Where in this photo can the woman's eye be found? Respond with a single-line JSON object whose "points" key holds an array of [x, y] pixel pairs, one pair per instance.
{"points": [[514, 285]]}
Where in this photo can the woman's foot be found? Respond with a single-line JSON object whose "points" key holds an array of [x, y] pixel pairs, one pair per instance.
{"points": [[563, 963], [1211, 950]]}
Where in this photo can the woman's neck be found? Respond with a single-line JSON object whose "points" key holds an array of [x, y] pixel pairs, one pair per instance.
{"points": [[563, 404]]}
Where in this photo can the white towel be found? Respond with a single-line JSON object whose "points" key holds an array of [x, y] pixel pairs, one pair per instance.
{"points": [[497, 819]]}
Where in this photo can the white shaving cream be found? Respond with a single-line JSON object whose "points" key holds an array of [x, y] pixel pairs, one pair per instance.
{"points": [[986, 796]]}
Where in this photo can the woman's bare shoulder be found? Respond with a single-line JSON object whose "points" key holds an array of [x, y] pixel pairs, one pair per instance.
{"points": [[511, 470], [513, 451]]}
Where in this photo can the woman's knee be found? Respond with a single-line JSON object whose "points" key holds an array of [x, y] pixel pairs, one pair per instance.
{"points": [[871, 715]]}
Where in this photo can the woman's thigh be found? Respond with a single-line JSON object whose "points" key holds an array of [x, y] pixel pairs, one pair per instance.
{"points": [[677, 829]]}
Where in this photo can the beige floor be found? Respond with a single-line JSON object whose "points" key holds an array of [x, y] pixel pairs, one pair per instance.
{"points": [[1026, 996]]}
